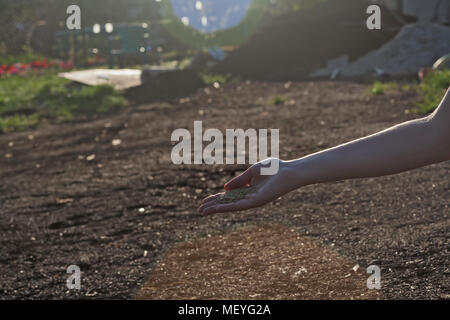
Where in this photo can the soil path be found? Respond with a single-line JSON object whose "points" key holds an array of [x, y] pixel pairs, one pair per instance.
{"points": [[268, 262]]}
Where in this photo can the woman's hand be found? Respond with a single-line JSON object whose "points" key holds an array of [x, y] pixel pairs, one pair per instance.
{"points": [[269, 188]]}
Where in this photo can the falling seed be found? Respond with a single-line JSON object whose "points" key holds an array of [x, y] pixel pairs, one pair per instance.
{"points": [[11, 144], [201, 112], [90, 157], [116, 142], [64, 201], [141, 210], [198, 191], [216, 85], [8, 155], [145, 253]]}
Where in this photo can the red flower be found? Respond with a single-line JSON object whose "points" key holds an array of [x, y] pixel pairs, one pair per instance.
{"points": [[13, 70], [40, 64]]}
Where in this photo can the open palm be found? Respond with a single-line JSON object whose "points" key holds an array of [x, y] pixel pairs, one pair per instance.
{"points": [[269, 188]]}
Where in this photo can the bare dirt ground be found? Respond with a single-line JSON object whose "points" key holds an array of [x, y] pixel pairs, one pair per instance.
{"points": [[117, 214], [267, 262]]}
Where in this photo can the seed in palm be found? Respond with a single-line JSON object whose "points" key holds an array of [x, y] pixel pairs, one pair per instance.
{"points": [[236, 195]]}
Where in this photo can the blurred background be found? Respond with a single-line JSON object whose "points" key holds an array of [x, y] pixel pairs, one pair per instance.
{"points": [[188, 43], [143, 31]]}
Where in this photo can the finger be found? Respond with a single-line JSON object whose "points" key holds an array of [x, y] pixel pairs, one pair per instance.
{"points": [[206, 205], [239, 181], [211, 198], [235, 206]]}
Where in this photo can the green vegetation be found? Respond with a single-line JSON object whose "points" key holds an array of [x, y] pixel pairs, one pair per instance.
{"points": [[209, 78], [27, 101], [379, 88], [433, 87], [22, 58], [277, 100]]}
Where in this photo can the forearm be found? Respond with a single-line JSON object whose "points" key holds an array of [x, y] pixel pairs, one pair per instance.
{"points": [[403, 147]]}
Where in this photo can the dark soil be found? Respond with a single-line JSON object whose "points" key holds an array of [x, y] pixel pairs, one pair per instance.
{"points": [[117, 214], [293, 45]]}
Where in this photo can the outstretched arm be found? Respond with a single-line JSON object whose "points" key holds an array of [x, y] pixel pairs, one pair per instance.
{"points": [[400, 148]]}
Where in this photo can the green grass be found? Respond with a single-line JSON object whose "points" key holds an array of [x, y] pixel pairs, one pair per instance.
{"points": [[277, 100], [23, 58], [433, 88], [379, 88], [209, 78], [30, 100]]}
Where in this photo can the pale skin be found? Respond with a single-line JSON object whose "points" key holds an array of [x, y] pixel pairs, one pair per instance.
{"points": [[403, 147]]}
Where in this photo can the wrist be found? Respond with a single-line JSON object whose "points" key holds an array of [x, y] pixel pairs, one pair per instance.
{"points": [[300, 171]]}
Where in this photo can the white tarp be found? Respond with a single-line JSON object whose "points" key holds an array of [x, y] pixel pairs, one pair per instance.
{"points": [[118, 78]]}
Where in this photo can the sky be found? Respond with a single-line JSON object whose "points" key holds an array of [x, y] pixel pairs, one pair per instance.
{"points": [[211, 15]]}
